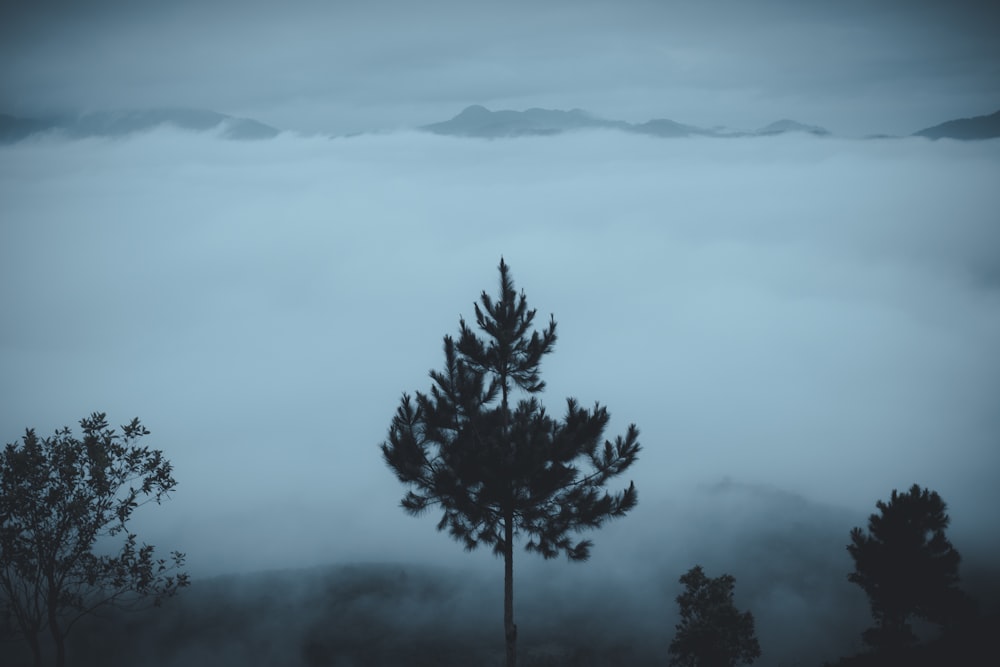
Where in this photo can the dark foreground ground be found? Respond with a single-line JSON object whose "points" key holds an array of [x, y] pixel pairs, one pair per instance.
{"points": [[393, 615]]}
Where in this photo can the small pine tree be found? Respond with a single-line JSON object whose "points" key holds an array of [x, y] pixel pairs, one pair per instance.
{"points": [[712, 632], [499, 470]]}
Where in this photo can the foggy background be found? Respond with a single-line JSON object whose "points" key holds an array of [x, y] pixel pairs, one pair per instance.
{"points": [[814, 320], [798, 325]]}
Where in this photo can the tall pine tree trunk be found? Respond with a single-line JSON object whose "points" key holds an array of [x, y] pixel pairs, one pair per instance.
{"points": [[510, 630]]}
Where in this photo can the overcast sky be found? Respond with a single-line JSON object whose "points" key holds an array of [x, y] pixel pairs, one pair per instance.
{"points": [[814, 320], [854, 67]]}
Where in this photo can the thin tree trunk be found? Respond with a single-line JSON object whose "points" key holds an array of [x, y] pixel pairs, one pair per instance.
{"points": [[510, 630], [60, 651], [36, 647], [58, 636]]}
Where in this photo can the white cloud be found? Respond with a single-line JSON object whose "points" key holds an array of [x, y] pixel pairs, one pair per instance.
{"points": [[819, 315]]}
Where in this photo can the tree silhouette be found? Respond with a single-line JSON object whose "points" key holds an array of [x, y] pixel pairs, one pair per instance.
{"points": [[64, 506], [906, 566], [712, 632], [498, 471]]}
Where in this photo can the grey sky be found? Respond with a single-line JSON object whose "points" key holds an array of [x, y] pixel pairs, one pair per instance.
{"points": [[854, 67]]}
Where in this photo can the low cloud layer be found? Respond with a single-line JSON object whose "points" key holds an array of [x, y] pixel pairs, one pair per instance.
{"points": [[814, 320]]}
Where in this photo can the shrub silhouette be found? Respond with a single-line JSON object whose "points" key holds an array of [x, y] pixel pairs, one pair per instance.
{"points": [[58, 497]]}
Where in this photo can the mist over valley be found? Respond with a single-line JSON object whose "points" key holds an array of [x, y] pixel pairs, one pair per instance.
{"points": [[769, 238], [809, 318]]}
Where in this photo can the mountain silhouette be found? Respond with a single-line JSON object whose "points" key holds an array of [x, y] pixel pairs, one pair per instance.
{"points": [[473, 121], [478, 121], [663, 127], [978, 127], [124, 123]]}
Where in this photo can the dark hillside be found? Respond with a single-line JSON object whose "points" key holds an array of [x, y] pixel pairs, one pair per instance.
{"points": [[370, 615], [968, 129]]}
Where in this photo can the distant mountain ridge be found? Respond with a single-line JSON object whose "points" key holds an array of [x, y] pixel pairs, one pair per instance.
{"points": [[473, 121], [478, 121], [968, 129], [124, 123]]}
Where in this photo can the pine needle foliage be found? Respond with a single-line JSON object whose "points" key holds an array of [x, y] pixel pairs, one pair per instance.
{"points": [[499, 469], [906, 566]]}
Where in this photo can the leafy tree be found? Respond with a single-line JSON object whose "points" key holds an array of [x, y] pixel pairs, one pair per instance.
{"points": [[712, 632], [906, 566], [497, 470], [65, 549]]}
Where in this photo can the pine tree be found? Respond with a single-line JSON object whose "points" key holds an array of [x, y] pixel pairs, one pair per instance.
{"points": [[906, 566], [499, 470], [712, 632]]}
